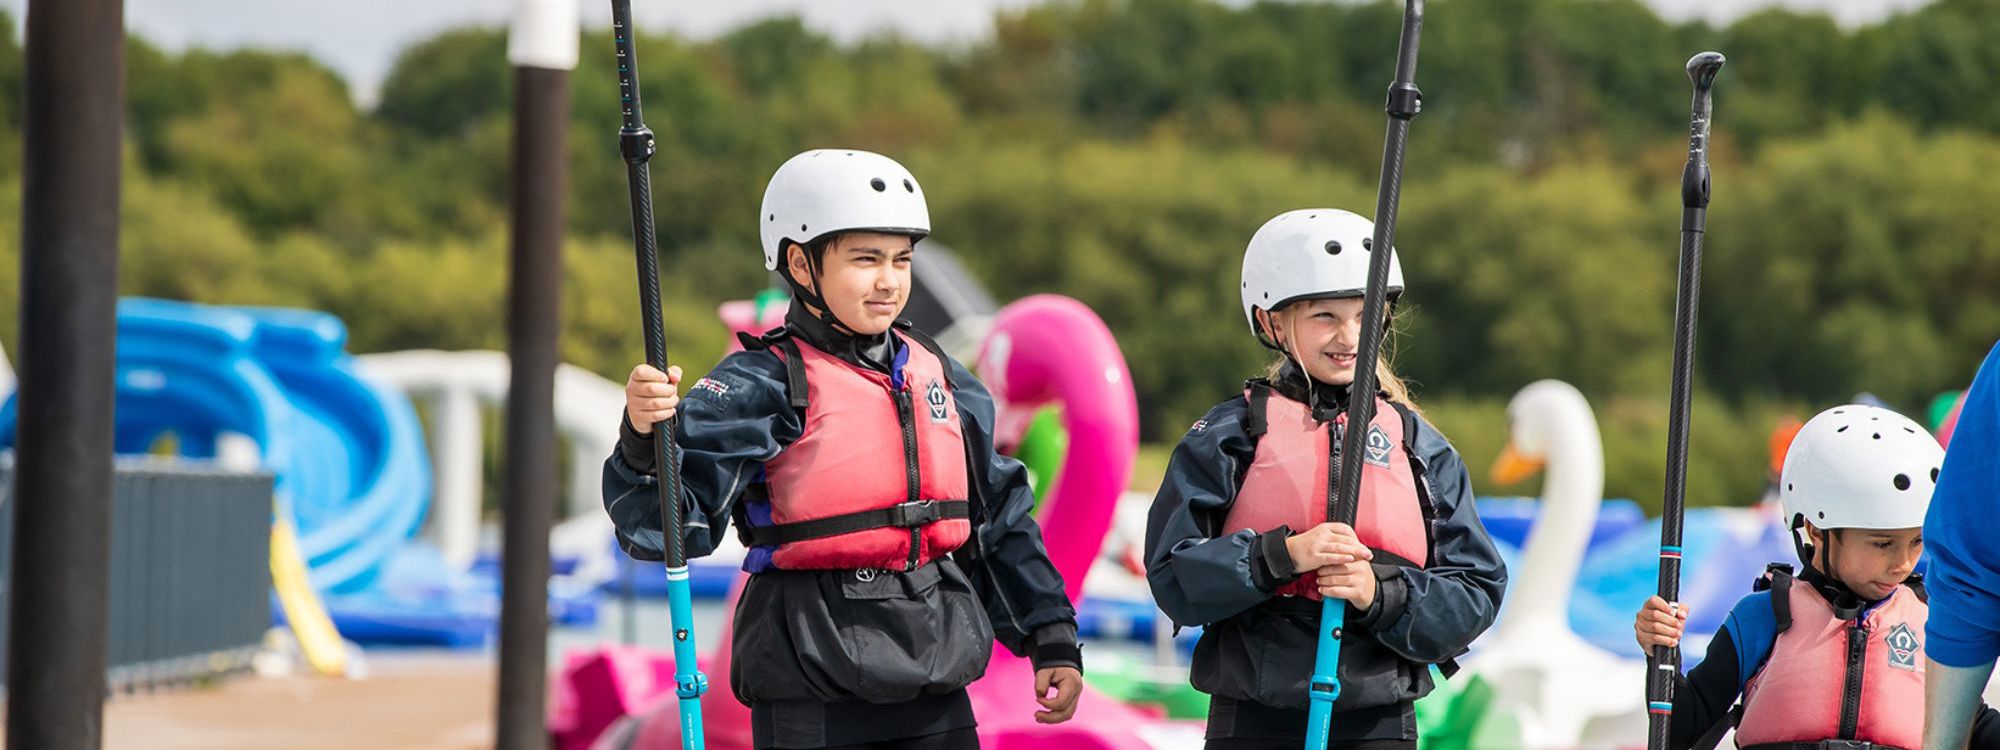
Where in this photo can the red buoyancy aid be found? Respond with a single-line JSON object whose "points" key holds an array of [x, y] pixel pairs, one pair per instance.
{"points": [[1830, 678], [1289, 481], [878, 478]]}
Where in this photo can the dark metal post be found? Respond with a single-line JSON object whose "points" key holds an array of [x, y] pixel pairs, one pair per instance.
{"points": [[543, 49], [69, 287]]}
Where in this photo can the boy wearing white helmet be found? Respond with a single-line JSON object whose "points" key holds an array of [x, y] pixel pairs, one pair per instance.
{"points": [[888, 543], [1833, 657], [1238, 539]]}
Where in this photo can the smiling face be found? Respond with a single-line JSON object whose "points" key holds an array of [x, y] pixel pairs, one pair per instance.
{"points": [[1872, 562], [864, 278], [1322, 335]]}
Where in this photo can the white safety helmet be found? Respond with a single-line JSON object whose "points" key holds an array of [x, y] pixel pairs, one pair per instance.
{"points": [[1314, 253], [1860, 467], [839, 190]]}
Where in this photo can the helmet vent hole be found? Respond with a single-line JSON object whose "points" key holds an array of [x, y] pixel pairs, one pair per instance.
{"points": [[1908, 430], [1333, 247], [909, 187], [1902, 481], [1822, 515], [772, 217], [1934, 475], [1367, 243], [1840, 411], [878, 184], [1788, 486], [802, 227], [1843, 428], [1878, 436]]}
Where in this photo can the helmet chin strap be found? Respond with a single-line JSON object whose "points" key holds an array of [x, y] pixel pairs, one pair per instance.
{"points": [[810, 295], [1818, 558], [1292, 350], [1289, 347]]}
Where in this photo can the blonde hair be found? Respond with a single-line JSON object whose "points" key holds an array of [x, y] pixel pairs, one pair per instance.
{"points": [[1392, 385]]}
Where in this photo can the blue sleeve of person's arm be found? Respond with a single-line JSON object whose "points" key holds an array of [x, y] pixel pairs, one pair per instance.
{"points": [[1964, 577], [1754, 628], [1448, 603], [731, 422]]}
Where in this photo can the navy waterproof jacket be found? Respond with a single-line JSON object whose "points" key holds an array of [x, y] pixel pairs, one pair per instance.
{"points": [[1259, 650]]}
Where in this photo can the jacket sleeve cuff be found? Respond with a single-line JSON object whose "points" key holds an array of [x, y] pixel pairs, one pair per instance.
{"points": [[1056, 646], [634, 448], [1392, 597], [1271, 564]]}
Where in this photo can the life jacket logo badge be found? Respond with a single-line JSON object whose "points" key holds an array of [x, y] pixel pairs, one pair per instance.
{"points": [[1377, 452], [934, 396], [1903, 647]]}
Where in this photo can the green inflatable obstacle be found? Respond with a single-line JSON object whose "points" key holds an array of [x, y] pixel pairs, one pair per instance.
{"points": [[1940, 408], [1460, 715], [1457, 715], [1140, 682], [1042, 448]]}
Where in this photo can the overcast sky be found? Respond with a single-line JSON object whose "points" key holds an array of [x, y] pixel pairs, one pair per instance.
{"points": [[360, 38]]}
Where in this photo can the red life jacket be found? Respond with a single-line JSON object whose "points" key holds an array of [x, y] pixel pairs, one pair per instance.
{"points": [[878, 478], [1289, 481], [1828, 678]]}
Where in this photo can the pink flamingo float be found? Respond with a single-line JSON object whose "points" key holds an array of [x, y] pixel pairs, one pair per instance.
{"points": [[1042, 349]]}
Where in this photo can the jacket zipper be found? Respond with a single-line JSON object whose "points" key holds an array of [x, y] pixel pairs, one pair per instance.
{"points": [[1857, 661]]}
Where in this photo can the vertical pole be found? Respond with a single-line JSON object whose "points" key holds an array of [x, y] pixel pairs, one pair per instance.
{"points": [[72, 137], [543, 48]]}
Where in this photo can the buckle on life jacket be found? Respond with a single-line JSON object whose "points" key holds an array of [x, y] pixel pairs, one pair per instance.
{"points": [[901, 515], [919, 513]]}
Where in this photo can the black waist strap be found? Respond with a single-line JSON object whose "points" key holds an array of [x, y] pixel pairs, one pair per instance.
{"points": [[901, 515], [1823, 745], [1390, 558]]}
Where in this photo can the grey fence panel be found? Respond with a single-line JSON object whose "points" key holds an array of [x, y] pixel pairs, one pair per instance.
{"points": [[190, 570]]}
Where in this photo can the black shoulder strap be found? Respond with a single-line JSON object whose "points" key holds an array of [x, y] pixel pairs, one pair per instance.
{"points": [[1713, 736], [795, 372], [780, 338], [1256, 423], [1409, 427], [1916, 584], [1778, 578]]}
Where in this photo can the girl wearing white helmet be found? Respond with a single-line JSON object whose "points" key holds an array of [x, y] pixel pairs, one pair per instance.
{"points": [[888, 543], [1238, 539], [1833, 657]]}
